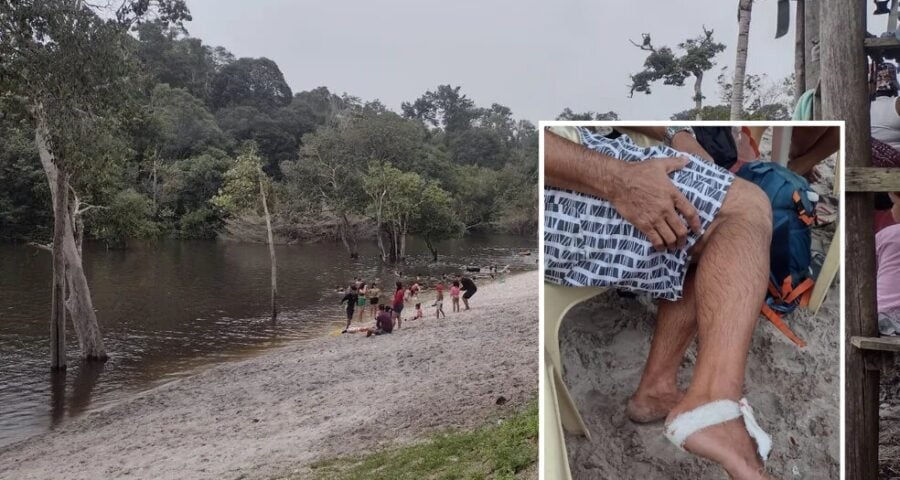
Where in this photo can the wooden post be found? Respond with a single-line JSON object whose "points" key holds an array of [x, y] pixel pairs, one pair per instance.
{"points": [[58, 297], [845, 97], [810, 43], [800, 50]]}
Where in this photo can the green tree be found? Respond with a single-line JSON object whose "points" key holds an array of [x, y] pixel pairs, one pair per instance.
{"points": [[246, 189], [436, 219], [444, 107], [568, 114], [250, 82], [329, 168], [185, 126], [129, 214], [663, 64], [67, 63], [169, 56]]}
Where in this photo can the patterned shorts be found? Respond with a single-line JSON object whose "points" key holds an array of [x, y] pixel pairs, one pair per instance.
{"points": [[587, 242]]}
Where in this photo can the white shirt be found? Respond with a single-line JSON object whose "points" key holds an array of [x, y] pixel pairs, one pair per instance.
{"points": [[886, 121]]}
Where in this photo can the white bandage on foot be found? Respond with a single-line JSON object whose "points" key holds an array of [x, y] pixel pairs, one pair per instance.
{"points": [[714, 413]]}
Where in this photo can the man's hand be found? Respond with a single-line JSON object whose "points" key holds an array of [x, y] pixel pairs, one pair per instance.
{"points": [[646, 197]]}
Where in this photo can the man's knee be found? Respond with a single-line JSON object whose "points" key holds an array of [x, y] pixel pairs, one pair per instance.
{"points": [[749, 205]]}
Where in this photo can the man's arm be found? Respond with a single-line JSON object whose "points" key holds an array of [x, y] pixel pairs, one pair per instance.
{"points": [[641, 192], [683, 141]]}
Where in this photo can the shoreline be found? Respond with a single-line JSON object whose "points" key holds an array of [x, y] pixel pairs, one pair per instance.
{"points": [[282, 410]]}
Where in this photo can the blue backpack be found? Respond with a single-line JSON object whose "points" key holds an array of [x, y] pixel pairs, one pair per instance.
{"points": [[793, 213]]}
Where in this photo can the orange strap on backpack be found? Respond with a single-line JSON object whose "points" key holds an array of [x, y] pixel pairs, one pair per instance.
{"points": [[776, 320]]}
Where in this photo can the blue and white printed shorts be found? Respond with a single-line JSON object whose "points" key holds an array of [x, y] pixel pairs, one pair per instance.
{"points": [[587, 242]]}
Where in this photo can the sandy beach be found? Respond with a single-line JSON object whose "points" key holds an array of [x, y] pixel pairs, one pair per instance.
{"points": [[795, 392], [272, 415]]}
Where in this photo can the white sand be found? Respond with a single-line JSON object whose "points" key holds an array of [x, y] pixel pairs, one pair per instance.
{"points": [[272, 415], [795, 393]]}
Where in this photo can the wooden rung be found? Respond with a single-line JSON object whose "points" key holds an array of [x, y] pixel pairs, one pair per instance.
{"points": [[881, 43], [883, 344], [872, 179], [882, 47]]}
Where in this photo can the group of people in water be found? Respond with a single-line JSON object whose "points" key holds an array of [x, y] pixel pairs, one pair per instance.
{"points": [[362, 299]]}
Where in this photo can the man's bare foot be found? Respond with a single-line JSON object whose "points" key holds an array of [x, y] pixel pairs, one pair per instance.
{"points": [[727, 444], [651, 407]]}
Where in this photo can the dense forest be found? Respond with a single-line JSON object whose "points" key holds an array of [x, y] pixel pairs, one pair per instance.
{"points": [[337, 167]]}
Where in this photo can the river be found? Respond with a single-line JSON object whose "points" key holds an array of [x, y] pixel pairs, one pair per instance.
{"points": [[168, 308]]}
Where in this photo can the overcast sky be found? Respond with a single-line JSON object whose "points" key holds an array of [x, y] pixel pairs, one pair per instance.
{"points": [[535, 56]]}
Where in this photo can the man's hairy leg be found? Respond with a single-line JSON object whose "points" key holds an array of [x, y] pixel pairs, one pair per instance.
{"points": [[676, 325], [731, 278]]}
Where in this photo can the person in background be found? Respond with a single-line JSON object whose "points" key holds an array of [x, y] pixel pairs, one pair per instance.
{"points": [[887, 255], [361, 300], [439, 301], [419, 313], [414, 289], [469, 287], [374, 294], [397, 305], [351, 297], [454, 295], [884, 116], [383, 322]]}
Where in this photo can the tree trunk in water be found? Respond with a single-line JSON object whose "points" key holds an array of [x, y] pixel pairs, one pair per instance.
{"points": [[402, 245], [380, 225], [434, 252], [271, 238], [348, 238], [58, 298], [78, 302], [800, 51], [740, 64], [395, 247], [698, 95]]}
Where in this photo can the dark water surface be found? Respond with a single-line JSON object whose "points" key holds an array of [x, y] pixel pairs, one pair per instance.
{"points": [[167, 308]]}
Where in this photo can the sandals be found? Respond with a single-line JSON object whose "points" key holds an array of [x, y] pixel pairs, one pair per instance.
{"points": [[714, 413]]}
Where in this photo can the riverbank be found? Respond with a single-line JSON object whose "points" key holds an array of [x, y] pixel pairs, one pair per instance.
{"points": [[275, 414]]}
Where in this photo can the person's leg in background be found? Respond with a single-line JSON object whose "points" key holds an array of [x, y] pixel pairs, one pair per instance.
{"points": [[811, 145]]}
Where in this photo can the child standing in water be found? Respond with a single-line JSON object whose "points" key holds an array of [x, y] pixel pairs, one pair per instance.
{"points": [[351, 297], [419, 313], [454, 295], [439, 301], [398, 304], [361, 300], [374, 294]]}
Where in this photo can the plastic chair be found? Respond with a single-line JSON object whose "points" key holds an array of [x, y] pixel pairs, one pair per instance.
{"points": [[560, 411]]}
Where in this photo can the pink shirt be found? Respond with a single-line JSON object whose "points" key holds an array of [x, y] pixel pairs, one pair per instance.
{"points": [[454, 291], [887, 255]]}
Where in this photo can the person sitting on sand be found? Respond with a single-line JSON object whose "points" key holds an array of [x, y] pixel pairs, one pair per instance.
{"points": [[397, 306], [383, 322], [439, 301], [469, 287], [887, 254], [653, 212], [419, 313], [351, 297], [454, 295]]}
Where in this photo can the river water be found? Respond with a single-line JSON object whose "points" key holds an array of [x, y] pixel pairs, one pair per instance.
{"points": [[168, 308]]}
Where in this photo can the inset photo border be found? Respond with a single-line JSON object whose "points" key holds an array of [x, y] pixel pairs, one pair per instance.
{"points": [[691, 280]]}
